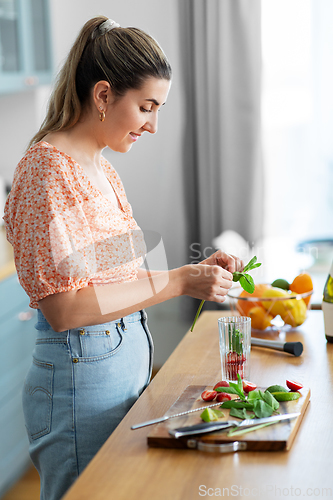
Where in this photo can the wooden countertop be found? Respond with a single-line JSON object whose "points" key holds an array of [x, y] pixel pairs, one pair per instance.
{"points": [[125, 468], [7, 266]]}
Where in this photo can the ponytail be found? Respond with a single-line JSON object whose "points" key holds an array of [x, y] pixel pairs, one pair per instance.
{"points": [[125, 57]]}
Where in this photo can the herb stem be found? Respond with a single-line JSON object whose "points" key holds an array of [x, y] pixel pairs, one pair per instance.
{"points": [[239, 432], [197, 315]]}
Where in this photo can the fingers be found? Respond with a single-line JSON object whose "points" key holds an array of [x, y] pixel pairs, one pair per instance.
{"points": [[222, 272], [221, 284], [208, 282], [229, 262]]}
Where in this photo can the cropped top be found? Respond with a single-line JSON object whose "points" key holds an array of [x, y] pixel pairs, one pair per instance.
{"points": [[65, 233]]}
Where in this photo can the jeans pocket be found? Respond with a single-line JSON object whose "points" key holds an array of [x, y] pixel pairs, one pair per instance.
{"points": [[37, 399], [99, 344]]}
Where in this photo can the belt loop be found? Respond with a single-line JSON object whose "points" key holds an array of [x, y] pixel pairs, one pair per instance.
{"points": [[123, 326], [143, 315]]}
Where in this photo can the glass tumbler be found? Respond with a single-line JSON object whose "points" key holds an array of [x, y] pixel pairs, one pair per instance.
{"points": [[235, 347]]}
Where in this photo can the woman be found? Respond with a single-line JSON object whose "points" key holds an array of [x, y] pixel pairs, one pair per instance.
{"points": [[78, 251]]}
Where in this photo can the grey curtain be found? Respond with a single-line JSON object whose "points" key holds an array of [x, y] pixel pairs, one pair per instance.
{"points": [[223, 175]]}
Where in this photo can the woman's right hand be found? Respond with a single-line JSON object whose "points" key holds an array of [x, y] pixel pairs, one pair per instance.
{"points": [[206, 282]]}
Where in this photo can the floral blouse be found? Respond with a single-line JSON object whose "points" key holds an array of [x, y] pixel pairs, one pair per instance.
{"points": [[65, 233]]}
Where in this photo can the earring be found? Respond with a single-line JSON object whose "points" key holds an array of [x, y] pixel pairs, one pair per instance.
{"points": [[102, 116]]}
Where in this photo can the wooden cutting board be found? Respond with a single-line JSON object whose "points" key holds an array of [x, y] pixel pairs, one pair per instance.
{"points": [[271, 438]]}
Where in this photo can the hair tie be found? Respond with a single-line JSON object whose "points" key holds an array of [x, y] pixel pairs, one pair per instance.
{"points": [[103, 28]]}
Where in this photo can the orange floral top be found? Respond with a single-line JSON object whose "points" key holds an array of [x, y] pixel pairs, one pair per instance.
{"points": [[65, 233]]}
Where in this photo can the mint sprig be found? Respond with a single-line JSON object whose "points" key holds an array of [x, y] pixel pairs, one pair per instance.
{"points": [[260, 404], [245, 280]]}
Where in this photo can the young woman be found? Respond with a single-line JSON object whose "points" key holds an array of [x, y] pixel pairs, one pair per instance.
{"points": [[78, 251]]}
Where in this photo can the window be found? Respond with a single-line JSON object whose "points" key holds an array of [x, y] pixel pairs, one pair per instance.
{"points": [[297, 109]]}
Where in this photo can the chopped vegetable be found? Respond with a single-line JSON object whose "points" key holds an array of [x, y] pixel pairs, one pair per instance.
{"points": [[210, 415], [248, 386], [276, 388], [223, 396], [208, 395], [294, 386], [223, 383], [286, 396]]}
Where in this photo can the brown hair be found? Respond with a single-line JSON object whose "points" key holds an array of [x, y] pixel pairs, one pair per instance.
{"points": [[125, 57]]}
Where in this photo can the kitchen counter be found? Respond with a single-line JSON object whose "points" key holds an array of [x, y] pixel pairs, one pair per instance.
{"points": [[7, 266], [125, 468]]}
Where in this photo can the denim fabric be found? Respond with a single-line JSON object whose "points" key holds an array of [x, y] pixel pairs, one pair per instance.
{"points": [[80, 385]]}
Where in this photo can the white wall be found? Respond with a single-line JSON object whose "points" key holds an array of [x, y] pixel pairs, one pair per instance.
{"points": [[152, 170]]}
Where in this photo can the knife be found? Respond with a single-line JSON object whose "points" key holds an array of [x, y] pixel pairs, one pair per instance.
{"points": [[205, 428], [166, 417]]}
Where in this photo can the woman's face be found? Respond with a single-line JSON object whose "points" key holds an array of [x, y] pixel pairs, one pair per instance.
{"points": [[127, 117]]}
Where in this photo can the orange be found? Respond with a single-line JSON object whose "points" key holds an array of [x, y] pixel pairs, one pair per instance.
{"points": [[302, 284], [244, 306], [260, 319]]}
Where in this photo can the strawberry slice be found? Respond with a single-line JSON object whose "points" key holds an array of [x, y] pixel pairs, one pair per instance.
{"points": [[223, 396], [223, 383], [293, 386], [208, 395], [248, 386]]}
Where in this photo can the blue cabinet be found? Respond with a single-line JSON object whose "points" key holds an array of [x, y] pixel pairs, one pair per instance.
{"points": [[25, 44], [17, 340]]}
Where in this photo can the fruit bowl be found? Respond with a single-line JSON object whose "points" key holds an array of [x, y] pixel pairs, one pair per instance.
{"points": [[270, 308]]}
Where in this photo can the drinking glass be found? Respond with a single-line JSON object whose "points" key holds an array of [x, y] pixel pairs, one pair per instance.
{"points": [[235, 347]]}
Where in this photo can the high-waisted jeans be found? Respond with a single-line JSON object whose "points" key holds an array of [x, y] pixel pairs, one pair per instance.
{"points": [[80, 385]]}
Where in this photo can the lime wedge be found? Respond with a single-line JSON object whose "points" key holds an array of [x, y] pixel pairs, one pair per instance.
{"points": [[276, 388], [209, 415], [286, 396]]}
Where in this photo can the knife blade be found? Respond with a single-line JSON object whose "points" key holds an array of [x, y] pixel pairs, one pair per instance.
{"points": [[205, 428], [166, 417]]}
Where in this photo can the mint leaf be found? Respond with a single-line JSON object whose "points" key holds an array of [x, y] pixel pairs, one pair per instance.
{"points": [[252, 261], [237, 389], [245, 280], [228, 390], [237, 404], [241, 413], [253, 395], [270, 400], [240, 383], [262, 409], [247, 283]]}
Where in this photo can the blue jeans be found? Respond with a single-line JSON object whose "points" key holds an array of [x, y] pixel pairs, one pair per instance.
{"points": [[80, 385]]}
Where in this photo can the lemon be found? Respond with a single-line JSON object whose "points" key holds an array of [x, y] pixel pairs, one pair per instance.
{"points": [[281, 283], [278, 307], [260, 318], [297, 315]]}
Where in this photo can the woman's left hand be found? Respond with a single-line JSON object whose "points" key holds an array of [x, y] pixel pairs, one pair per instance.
{"points": [[229, 262]]}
